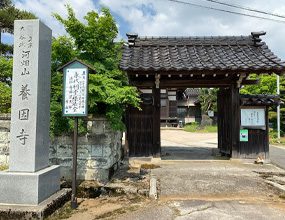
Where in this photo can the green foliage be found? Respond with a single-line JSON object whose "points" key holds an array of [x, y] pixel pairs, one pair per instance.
{"points": [[63, 51], [273, 137], [92, 42], [6, 66], [208, 100], [4, 167], [195, 127], [267, 85], [9, 13]]}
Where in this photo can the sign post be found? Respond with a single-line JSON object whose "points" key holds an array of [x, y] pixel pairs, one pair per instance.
{"points": [[75, 97]]}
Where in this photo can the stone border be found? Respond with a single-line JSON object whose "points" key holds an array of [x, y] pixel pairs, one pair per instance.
{"points": [[41, 211], [5, 116]]}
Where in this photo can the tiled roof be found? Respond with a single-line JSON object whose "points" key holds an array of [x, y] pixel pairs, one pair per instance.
{"points": [[251, 100], [228, 53], [192, 92]]}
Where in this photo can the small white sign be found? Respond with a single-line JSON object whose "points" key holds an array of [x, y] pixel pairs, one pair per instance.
{"points": [[253, 117], [75, 92], [211, 113]]}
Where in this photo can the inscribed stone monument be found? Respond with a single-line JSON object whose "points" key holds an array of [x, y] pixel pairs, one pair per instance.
{"points": [[30, 180]]}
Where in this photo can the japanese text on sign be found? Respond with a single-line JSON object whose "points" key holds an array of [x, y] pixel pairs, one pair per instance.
{"points": [[253, 117], [75, 92], [24, 47]]}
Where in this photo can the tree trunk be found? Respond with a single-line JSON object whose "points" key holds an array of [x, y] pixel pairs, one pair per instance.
{"points": [[206, 120]]}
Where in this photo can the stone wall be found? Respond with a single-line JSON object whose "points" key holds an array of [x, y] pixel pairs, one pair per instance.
{"points": [[4, 138], [99, 151]]}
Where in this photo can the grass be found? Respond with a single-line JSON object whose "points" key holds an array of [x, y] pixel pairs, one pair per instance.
{"points": [[273, 138], [3, 167], [275, 141], [197, 128], [149, 166]]}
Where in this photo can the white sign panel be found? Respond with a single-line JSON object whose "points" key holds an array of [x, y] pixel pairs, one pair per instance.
{"points": [[75, 92], [253, 117]]}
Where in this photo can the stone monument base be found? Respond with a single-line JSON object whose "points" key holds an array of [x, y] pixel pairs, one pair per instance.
{"points": [[19, 188], [39, 212]]}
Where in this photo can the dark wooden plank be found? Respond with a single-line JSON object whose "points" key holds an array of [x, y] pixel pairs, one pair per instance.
{"points": [[156, 149], [235, 120]]}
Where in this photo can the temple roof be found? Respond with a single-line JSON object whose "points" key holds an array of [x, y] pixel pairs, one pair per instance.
{"points": [[247, 54], [260, 100]]}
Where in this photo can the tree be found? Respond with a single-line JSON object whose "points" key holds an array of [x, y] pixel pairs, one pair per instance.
{"points": [[92, 42], [268, 85], [6, 66], [208, 101], [9, 13]]}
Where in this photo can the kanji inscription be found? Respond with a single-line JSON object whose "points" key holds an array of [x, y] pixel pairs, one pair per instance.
{"points": [[75, 93], [23, 136]]}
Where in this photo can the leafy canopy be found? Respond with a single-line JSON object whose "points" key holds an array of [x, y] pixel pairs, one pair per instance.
{"points": [[208, 100], [6, 66], [93, 42], [9, 13]]}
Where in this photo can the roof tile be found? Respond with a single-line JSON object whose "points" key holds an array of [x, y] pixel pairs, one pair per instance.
{"points": [[200, 53]]}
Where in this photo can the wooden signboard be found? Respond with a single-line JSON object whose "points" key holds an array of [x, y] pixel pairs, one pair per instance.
{"points": [[75, 92], [253, 117]]}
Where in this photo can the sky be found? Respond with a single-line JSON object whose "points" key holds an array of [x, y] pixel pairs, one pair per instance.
{"points": [[169, 18]]}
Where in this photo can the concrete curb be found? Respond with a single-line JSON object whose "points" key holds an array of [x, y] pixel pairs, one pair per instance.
{"points": [[153, 188], [276, 185]]}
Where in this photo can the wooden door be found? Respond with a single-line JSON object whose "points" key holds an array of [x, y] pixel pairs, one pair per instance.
{"points": [[143, 128]]}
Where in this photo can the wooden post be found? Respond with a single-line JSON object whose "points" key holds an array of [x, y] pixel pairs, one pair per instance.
{"points": [[266, 150], [156, 122], [74, 204], [235, 120]]}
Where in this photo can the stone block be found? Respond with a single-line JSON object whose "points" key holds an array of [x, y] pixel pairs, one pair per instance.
{"points": [[96, 150], [40, 212], [29, 188], [30, 116], [62, 140], [65, 161], [64, 150], [84, 151], [52, 151], [107, 151]]}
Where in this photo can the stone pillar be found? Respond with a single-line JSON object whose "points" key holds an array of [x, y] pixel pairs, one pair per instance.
{"points": [[30, 180]]}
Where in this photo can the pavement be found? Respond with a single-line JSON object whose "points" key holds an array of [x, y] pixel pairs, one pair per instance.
{"points": [[277, 155], [194, 183]]}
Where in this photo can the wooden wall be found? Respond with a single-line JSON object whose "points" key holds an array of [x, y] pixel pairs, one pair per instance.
{"points": [[258, 142]]}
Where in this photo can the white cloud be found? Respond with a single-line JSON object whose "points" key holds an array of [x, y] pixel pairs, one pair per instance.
{"points": [[44, 9], [165, 18], [173, 19]]}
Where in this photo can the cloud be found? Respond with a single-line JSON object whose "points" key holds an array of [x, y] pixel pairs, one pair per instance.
{"points": [[165, 18], [44, 9]]}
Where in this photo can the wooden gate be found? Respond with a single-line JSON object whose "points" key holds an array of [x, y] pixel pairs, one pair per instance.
{"points": [[143, 128], [228, 121]]}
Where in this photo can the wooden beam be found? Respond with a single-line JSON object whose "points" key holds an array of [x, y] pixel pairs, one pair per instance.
{"points": [[169, 83], [250, 82]]}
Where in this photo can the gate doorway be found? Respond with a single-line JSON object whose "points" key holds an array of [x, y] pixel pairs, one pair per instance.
{"points": [[193, 62]]}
